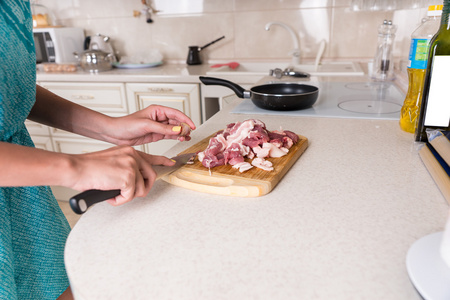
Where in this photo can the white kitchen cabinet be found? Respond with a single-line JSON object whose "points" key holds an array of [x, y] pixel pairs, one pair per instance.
{"points": [[81, 145], [42, 142], [107, 98], [40, 135], [36, 128], [184, 97], [118, 99], [99, 96], [113, 99], [215, 97]]}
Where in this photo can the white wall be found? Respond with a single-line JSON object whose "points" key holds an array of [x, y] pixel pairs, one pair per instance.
{"points": [[349, 34]]}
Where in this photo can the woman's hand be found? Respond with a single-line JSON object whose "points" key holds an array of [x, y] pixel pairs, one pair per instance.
{"points": [[151, 124], [120, 167]]}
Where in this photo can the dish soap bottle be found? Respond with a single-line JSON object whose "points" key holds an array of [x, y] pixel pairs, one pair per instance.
{"points": [[435, 107], [417, 67], [383, 64]]}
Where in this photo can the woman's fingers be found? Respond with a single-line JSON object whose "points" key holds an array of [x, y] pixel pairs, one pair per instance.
{"points": [[144, 176], [122, 168], [172, 116], [156, 160], [151, 124], [161, 131]]}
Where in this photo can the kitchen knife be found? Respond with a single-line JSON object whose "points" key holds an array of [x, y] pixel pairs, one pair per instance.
{"points": [[82, 201]]}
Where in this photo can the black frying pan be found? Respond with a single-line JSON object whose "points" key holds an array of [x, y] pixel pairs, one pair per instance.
{"points": [[277, 96]]}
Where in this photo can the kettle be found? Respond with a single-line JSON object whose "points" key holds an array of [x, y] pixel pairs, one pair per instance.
{"points": [[95, 60], [100, 42]]}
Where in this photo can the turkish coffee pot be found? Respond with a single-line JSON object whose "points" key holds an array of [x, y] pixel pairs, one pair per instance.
{"points": [[194, 53]]}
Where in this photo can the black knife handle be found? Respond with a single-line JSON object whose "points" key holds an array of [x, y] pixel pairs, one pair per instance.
{"points": [[82, 201]]}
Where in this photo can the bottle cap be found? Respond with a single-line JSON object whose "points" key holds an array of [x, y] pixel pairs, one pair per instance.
{"points": [[434, 10]]}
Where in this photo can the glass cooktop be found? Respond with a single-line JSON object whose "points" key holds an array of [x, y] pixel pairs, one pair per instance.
{"points": [[358, 100]]}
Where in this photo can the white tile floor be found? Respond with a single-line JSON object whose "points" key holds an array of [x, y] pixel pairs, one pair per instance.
{"points": [[70, 215]]}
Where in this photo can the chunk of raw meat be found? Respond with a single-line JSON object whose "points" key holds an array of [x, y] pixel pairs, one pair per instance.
{"points": [[263, 164], [247, 140], [243, 166]]}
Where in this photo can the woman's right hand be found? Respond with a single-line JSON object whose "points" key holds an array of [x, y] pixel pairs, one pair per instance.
{"points": [[120, 167]]}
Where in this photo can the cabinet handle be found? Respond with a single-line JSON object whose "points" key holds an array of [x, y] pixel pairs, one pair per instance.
{"points": [[82, 97], [160, 90]]}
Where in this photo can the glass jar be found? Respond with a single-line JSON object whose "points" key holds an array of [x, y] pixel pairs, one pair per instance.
{"points": [[42, 16]]}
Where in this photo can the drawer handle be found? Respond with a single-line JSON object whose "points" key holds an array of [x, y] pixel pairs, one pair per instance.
{"points": [[82, 97], [160, 90]]}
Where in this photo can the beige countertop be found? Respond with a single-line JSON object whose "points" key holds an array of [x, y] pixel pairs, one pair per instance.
{"points": [[337, 226], [168, 72], [171, 73]]}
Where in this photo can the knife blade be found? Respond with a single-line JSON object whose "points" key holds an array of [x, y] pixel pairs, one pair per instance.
{"points": [[82, 201]]}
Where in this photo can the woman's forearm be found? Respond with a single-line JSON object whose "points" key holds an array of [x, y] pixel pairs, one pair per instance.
{"points": [[54, 111], [27, 166], [150, 124], [120, 167]]}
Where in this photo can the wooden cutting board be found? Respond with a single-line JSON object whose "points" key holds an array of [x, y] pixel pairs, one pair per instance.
{"points": [[224, 180]]}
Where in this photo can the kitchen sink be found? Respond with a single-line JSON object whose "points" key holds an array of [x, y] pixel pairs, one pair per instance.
{"points": [[263, 69]]}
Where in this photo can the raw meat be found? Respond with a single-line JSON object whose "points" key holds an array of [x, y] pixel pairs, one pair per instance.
{"points": [[270, 150], [185, 129], [262, 164], [243, 166], [248, 139]]}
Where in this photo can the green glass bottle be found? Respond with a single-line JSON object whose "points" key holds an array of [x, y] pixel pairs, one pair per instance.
{"points": [[435, 108]]}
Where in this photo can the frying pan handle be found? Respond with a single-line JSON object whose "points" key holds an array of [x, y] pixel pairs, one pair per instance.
{"points": [[237, 89], [82, 201]]}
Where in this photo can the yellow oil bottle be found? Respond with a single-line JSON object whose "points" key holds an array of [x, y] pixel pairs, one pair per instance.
{"points": [[410, 109], [417, 67]]}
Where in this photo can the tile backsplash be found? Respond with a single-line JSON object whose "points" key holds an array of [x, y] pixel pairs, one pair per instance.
{"points": [[181, 23]]}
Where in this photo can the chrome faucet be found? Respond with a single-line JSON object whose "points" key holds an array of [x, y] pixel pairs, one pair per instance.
{"points": [[296, 51]]}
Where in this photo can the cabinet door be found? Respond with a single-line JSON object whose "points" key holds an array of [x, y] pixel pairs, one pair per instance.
{"points": [[78, 146], [42, 142], [81, 145], [100, 96], [55, 132], [215, 97], [184, 97], [40, 135], [36, 128]]}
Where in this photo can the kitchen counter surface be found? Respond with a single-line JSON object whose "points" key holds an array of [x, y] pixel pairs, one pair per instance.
{"points": [[168, 72], [172, 73], [337, 226]]}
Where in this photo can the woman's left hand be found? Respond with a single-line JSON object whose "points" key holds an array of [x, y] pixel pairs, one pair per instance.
{"points": [[151, 124]]}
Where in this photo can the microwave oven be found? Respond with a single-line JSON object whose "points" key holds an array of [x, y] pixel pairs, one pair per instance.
{"points": [[57, 44]]}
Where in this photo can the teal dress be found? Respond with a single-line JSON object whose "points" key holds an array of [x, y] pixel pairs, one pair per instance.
{"points": [[33, 230]]}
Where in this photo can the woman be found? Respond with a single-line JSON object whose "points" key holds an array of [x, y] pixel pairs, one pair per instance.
{"points": [[33, 229]]}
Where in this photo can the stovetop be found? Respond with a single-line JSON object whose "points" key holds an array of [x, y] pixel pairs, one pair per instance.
{"points": [[356, 100]]}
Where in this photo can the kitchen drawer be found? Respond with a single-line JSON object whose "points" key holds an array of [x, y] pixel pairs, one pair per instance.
{"points": [[82, 145], [67, 142], [62, 133], [42, 142], [105, 97], [159, 147], [36, 128], [79, 146], [184, 97]]}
